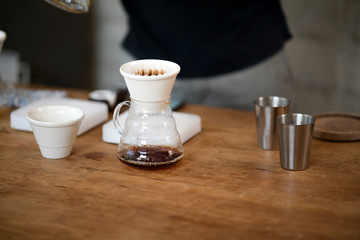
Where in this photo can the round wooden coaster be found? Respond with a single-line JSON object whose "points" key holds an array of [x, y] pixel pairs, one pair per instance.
{"points": [[337, 126]]}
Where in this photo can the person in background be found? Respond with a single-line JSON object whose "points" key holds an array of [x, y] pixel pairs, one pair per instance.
{"points": [[230, 52]]}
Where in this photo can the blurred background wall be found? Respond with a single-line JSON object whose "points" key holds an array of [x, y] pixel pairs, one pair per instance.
{"points": [[45, 45], [85, 50], [324, 53]]}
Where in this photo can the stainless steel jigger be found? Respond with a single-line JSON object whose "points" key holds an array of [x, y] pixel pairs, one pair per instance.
{"points": [[266, 111], [295, 135]]}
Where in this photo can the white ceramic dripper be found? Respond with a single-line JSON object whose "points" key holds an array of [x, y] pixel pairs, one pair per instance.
{"points": [[150, 80], [55, 129]]}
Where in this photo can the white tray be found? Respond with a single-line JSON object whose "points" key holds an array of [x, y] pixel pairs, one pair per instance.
{"points": [[95, 113]]}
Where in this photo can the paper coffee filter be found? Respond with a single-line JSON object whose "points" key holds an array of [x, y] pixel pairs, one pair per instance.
{"points": [[150, 79], [151, 69], [158, 69]]}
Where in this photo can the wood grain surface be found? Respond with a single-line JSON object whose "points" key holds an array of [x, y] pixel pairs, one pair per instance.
{"points": [[224, 188]]}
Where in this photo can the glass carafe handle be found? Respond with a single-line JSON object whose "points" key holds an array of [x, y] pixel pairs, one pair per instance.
{"points": [[116, 115]]}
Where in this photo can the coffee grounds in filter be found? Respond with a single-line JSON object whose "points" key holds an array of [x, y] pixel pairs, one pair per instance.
{"points": [[150, 72]]}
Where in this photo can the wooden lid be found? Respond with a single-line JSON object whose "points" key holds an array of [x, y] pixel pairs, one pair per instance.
{"points": [[337, 126]]}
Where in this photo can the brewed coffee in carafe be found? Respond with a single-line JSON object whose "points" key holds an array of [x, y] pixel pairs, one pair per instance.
{"points": [[149, 136]]}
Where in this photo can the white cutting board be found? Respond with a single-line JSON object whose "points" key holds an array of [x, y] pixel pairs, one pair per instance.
{"points": [[187, 124], [95, 112]]}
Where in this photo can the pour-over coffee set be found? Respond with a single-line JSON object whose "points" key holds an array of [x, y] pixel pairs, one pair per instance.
{"points": [[149, 137]]}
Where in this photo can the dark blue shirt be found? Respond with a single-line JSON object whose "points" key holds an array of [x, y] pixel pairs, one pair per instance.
{"points": [[205, 38]]}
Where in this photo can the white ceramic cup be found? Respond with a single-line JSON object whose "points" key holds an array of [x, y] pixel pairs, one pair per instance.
{"points": [[55, 129]]}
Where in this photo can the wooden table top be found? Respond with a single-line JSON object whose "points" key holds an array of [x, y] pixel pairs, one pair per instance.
{"points": [[224, 188]]}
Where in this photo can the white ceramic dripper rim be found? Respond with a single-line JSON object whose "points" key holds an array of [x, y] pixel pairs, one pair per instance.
{"points": [[150, 88]]}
